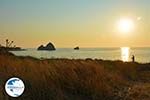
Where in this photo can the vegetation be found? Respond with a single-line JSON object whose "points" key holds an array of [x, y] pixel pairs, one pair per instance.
{"points": [[66, 79]]}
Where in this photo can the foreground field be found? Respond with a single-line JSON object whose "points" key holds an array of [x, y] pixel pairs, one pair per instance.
{"points": [[66, 79]]}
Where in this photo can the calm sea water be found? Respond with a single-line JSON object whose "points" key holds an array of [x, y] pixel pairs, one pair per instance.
{"points": [[123, 53]]}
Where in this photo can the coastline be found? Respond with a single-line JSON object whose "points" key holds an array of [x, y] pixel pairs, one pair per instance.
{"points": [[123, 54], [76, 79]]}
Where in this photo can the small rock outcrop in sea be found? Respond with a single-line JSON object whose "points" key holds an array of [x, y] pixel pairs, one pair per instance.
{"points": [[49, 46], [76, 48]]}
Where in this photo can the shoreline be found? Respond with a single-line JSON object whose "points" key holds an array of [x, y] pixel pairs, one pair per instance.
{"points": [[119, 54]]}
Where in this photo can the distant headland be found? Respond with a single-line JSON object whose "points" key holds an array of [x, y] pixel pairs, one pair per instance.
{"points": [[10, 46]]}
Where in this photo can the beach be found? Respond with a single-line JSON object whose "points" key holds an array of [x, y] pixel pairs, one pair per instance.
{"points": [[75, 79]]}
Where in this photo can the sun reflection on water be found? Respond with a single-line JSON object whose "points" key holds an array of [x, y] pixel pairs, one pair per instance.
{"points": [[125, 52]]}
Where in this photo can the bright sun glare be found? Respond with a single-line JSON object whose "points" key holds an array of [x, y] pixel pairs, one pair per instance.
{"points": [[125, 25], [125, 52]]}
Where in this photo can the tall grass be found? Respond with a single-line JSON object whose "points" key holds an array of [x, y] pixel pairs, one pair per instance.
{"points": [[66, 79]]}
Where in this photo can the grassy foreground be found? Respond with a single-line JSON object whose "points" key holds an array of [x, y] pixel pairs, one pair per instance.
{"points": [[66, 79]]}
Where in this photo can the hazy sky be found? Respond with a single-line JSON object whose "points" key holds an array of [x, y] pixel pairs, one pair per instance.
{"points": [[67, 23]]}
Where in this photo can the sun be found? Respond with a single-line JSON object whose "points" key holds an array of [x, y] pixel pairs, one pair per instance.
{"points": [[125, 25]]}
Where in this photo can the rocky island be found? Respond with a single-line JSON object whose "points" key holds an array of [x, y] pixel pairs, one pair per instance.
{"points": [[49, 47], [76, 48]]}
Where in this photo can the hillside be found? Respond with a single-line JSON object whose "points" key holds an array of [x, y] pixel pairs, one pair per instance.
{"points": [[69, 79]]}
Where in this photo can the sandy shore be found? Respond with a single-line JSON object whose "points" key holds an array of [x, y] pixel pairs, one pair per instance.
{"points": [[66, 79]]}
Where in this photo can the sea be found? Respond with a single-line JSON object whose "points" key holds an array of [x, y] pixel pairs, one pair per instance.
{"points": [[141, 54]]}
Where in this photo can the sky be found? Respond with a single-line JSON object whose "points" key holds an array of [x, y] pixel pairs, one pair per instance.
{"points": [[70, 23]]}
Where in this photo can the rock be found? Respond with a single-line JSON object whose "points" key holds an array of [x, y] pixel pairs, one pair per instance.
{"points": [[41, 47], [76, 48], [49, 46]]}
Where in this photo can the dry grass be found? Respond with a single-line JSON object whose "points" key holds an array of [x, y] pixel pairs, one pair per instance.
{"points": [[66, 79]]}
